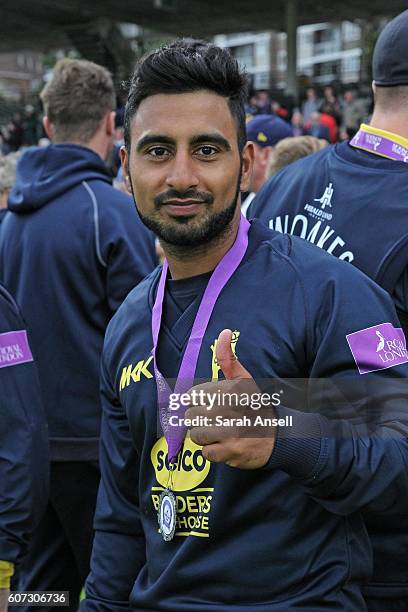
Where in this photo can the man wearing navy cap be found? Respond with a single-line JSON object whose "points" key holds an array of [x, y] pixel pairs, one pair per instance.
{"points": [[351, 200], [265, 131]]}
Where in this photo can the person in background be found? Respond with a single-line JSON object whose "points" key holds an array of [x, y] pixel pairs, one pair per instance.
{"points": [[265, 131], [316, 128], [353, 112], [71, 248], [32, 129], [310, 105], [297, 123], [327, 120], [280, 110], [351, 200], [291, 149], [251, 108], [24, 453], [332, 104], [263, 102], [15, 131]]}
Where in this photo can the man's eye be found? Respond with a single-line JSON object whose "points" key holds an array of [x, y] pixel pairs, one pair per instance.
{"points": [[158, 152], [207, 150]]}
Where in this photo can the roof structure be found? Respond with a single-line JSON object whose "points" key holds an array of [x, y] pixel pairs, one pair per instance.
{"points": [[42, 24]]}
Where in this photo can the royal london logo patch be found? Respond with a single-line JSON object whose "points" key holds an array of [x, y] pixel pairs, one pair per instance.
{"points": [[14, 348], [378, 347]]}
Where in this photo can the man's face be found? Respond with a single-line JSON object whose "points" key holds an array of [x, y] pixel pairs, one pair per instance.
{"points": [[297, 119], [261, 160], [184, 166]]}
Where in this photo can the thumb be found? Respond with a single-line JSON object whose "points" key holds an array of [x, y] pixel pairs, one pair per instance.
{"points": [[226, 359]]}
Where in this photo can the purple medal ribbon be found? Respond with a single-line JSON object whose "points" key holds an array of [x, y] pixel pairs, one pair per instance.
{"points": [[379, 145], [185, 378]]}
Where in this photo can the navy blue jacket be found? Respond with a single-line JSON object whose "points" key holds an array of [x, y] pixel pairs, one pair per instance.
{"points": [[292, 535], [71, 249], [24, 456], [349, 202]]}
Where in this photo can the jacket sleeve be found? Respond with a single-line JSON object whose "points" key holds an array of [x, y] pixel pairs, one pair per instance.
{"points": [[24, 456], [127, 247], [119, 546], [349, 448]]}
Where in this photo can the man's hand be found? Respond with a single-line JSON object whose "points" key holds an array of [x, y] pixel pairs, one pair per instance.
{"points": [[4, 595], [230, 442]]}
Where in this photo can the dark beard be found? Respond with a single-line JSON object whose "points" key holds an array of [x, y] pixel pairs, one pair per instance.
{"points": [[182, 236], [179, 237]]}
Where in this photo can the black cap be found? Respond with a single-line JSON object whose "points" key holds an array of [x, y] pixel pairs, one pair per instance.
{"points": [[390, 59]]}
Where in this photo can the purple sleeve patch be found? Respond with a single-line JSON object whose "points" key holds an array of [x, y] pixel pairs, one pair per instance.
{"points": [[378, 348], [14, 348]]}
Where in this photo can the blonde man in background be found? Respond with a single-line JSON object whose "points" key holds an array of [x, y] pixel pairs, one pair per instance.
{"points": [[291, 149]]}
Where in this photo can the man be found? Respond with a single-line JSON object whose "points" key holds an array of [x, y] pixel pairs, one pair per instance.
{"points": [[316, 128], [23, 443], [351, 201], [353, 111], [71, 249], [7, 179], [178, 526], [311, 104], [291, 149], [265, 131]]}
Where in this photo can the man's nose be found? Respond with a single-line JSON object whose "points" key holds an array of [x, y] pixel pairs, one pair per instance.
{"points": [[182, 174]]}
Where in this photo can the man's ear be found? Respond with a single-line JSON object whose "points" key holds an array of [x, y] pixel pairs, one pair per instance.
{"points": [[47, 127], [248, 154], [124, 158]]}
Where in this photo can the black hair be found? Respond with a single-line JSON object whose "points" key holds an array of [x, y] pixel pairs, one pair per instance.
{"points": [[189, 65]]}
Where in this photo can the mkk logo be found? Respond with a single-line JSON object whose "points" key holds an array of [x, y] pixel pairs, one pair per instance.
{"points": [[325, 199], [133, 373]]}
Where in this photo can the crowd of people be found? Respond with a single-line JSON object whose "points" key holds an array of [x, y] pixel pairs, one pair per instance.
{"points": [[24, 129], [283, 239], [322, 113]]}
